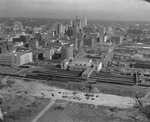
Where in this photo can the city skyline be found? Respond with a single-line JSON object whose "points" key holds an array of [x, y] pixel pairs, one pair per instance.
{"points": [[67, 9]]}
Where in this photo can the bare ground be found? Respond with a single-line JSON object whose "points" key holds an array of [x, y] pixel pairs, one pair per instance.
{"points": [[20, 106], [76, 112], [19, 112]]}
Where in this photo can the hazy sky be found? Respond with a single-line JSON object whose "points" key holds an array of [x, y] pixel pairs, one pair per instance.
{"points": [[94, 9]]}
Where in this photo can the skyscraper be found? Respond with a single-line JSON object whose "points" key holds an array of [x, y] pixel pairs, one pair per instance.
{"points": [[75, 42], [84, 21], [71, 23], [67, 52], [78, 22], [59, 28], [89, 42], [38, 37], [77, 26]]}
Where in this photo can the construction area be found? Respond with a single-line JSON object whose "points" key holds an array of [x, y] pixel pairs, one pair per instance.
{"points": [[28, 100]]}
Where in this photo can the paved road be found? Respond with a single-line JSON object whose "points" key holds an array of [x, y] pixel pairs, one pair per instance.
{"points": [[52, 101], [146, 97], [108, 58]]}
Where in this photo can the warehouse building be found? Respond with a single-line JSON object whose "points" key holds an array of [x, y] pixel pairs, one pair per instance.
{"points": [[81, 60], [86, 74], [67, 52], [23, 58], [16, 58], [6, 59]]}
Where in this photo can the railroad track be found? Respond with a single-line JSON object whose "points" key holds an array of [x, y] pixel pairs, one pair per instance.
{"points": [[68, 78]]}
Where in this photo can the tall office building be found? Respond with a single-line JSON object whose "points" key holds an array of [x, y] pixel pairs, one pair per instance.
{"points": [[77, 26], [89, 42], [88, 29], [77, 22], [84, 21], [24, 38], [71, 23], [101, 31], [117, 39], [38, 37], [110, 30], [67, 52], [3, 47], [75, 42], [33, 44], [58, 27], [105, 38]]}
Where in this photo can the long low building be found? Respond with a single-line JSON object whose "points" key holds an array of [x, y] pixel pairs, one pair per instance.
{"points": [[86, 74], [81, 63], [16, 58]]}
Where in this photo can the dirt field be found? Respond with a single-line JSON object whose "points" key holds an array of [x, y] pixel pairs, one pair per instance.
{"points": [[76, 112], [22, 101], [18, 105], [121, 90], [23, 113]]}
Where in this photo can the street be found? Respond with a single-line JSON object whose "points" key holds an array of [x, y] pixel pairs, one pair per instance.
{"points": [[108, 58], [52, 101]]}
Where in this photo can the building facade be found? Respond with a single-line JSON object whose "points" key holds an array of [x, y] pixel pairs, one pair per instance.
{"points": [[48, 53], [23, 58], [84, 21], [33, 44], [16, 58], [67, 52], [89, 42]]}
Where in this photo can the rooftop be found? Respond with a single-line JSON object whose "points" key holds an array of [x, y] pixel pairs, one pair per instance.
{"points": [[81, 57], [88, 70], [96, 61], [88, 30]]}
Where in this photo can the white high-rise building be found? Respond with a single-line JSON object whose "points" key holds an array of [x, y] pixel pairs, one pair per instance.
{"points": [[16, 58], [77, 26], [58, 27], [84, 21], [78, 22], [71, 23]]}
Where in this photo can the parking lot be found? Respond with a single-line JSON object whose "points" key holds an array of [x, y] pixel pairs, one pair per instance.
{"points": [[89, 98]]}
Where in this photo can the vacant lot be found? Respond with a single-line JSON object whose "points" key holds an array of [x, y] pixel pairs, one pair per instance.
{"points": [[77, 112], [20, 110], [23, 100], [121, 90]]}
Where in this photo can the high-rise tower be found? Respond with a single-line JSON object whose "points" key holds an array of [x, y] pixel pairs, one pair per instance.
{"points": [[84, 21], [67, 52]]}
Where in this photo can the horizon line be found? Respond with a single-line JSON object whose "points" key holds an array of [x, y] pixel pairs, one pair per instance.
{"points": [[81, 18]]}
